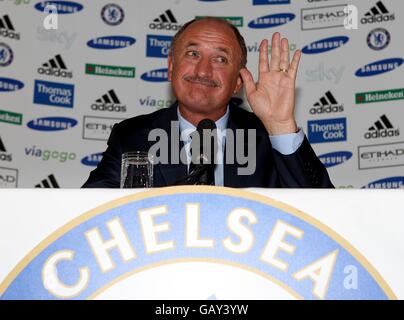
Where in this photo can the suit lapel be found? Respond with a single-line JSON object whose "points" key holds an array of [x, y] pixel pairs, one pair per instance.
{"points": [[171, 172], [231, 177]]}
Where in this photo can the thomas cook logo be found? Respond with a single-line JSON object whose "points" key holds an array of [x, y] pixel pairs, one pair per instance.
{"points": [[222, 227]]}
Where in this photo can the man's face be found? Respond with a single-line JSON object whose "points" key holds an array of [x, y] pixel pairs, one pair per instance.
{"points": [[204, 68]]}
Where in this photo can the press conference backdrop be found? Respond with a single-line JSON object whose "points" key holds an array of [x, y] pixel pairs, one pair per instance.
{"points": [[61, 90]]}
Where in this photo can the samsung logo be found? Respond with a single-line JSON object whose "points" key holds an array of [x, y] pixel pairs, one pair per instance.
{"points": [[386, 183], [158, 75], [325, 45], [264, 2], [379, 67], [335, 158], [7, 84], [52, 124], [111, 42], [63, 7], [92, 160], [272, 20]]}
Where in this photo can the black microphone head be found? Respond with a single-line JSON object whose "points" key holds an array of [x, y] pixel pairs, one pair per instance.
{"points": [[205, 124], [204, 144]]}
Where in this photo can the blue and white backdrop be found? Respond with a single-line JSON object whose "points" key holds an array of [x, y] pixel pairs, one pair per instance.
{"points": [[61, 90]]}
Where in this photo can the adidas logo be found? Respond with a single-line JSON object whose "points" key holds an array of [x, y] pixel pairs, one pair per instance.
{"points": [[326, 104], [108, 102], [49, 182], [3, 155], [165, 21], [382, 128], [55, 67], [378, 13], [7, 29]]}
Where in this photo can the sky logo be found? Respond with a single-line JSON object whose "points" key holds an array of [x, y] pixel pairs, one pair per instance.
{"points": [[158, 46], [262, 2], [272, 20], [335, 158], [386, 183], [92, 160], [54, 94], [63, 7], [158, 75], [329, 130], [325, 45], [379, 67], [7, 84], [111, 42], [52, 124]]}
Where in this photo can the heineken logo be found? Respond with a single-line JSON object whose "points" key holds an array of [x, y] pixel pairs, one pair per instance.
{"points": [[110, 71], [10, 117], [379, 96]]}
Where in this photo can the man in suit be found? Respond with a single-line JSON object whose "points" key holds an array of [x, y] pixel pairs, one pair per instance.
{"points": [[206, 67]]}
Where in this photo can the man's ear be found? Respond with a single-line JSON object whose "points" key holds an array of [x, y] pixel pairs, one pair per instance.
{"points": [[239, 84], [170, 66]]}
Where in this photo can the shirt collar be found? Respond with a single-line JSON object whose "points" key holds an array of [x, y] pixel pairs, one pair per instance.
{"points": [[186, 127]]}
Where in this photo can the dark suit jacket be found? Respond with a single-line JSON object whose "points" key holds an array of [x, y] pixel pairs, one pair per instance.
{"points": [[301, 169]]}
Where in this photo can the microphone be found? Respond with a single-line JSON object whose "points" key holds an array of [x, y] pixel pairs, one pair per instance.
{"points": [[204, 150]]}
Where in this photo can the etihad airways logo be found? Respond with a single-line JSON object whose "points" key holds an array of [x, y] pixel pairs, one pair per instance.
{"points": [[294, 255]]}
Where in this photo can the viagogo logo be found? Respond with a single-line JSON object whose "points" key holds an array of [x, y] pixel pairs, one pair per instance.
{"points": [[45, 155], [17, 2]]}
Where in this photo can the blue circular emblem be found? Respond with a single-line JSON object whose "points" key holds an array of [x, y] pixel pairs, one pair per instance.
{"points": [[112, 14], [6, 55], [378, 39], [220, 226]]}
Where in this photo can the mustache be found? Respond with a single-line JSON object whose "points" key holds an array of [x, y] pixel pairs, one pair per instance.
{"points": [[204, 81]]}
